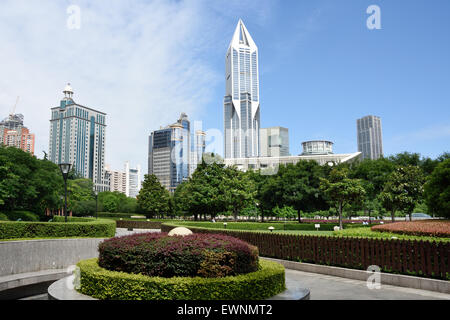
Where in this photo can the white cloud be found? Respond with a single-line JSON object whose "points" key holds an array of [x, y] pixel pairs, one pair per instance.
{"points": [[139, 62]]}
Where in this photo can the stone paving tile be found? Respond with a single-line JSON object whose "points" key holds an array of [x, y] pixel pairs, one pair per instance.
{"points": [[324, 287]]}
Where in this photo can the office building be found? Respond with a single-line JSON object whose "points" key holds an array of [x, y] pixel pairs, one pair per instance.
{"points": [[241, 101], [274, 142], [77, 136], [172, 157], [370, 141]]}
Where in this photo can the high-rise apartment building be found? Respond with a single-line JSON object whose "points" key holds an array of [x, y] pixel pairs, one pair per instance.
{"points": [[274, 142], [14, 134], [127, 182], [171, 158], [241, 101], [198, 150], [117, 180], [77, 136], [133, 180], [370, 141]]}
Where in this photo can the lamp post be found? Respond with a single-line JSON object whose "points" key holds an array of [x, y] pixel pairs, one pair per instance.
{"points": [[65, 169], [96, 203]]}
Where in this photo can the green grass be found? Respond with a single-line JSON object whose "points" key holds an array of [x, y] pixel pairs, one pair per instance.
{"points": [[349, 230], [255, 226]]}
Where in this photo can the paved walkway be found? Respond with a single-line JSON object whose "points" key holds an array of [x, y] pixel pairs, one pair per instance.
{"points": [[125, 232], [324, 287]]}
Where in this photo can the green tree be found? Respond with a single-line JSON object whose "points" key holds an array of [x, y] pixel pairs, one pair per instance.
{"points": [[286, 213], [342, 190], [437, 190], [236, 190], [153, 198], [403, 190], [297, 186], [27, 183]]}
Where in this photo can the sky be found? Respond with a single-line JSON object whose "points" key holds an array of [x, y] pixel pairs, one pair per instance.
{"points": [[145, 62]]}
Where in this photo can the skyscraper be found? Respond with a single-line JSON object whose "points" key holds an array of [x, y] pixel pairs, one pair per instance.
{"points": [[370, 141], [169, 154], [241, 101], [77, 136]]}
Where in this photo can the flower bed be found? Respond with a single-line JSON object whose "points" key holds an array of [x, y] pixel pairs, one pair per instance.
{"points": [[433, 228], [156, 254], [104, 284]]}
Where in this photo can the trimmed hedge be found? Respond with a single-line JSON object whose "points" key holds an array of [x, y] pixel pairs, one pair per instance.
{"points": [[90, 228], [157, 254], [15, 215], [118, 215], [112, 285], [138, 224]]}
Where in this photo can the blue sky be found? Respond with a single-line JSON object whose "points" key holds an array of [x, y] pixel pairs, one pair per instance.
{"points": [[321, 68]]}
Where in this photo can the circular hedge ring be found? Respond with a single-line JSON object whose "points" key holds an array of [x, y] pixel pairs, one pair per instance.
{"points": [[104, 284]]}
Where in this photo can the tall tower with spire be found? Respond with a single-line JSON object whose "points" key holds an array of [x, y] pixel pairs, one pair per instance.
{"points": [[77, 136], [241, 101]]}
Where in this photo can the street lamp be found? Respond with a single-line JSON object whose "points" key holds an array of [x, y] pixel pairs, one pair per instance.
{"points": [[65, 169], [96, 203]]}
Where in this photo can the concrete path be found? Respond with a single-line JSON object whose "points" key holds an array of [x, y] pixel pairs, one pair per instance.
{"points": [[125, 232], [324, 287]]}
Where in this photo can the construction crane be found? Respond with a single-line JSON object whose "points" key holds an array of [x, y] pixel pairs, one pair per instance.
{"points": [[13, 110]]}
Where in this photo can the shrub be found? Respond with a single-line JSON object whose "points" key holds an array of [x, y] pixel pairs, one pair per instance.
{"points": [[432, 228], [3, 217], [100, 283], [156, 254], [27, 229], [118, 215], [23, 215]]}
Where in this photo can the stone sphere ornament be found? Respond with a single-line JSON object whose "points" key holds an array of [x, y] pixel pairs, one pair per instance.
{"points": [[180, 231]]}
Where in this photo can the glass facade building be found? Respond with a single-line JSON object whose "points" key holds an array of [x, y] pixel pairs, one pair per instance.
{"points": [[77, 136], [172, 157], [241, 101]]}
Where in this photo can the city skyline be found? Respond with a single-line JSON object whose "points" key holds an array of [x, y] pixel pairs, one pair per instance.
{"points": [[329, 80]]}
